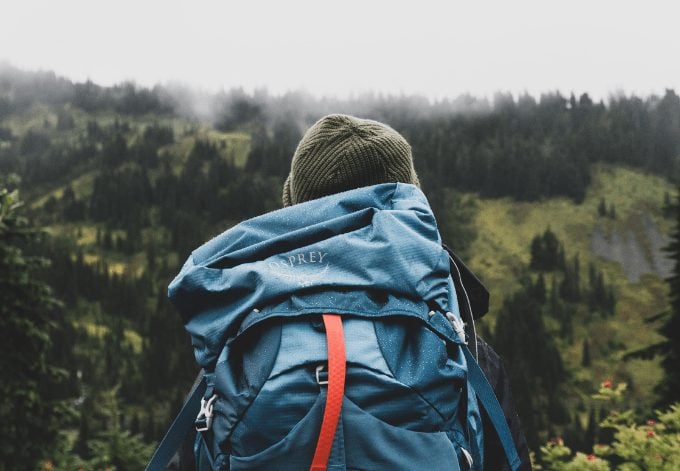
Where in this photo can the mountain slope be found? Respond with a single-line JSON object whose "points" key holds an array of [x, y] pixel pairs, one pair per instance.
{"points": [[500, 255]]}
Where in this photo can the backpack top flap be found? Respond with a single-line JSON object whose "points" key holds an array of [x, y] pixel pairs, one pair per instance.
{"points": [[336, 244]]}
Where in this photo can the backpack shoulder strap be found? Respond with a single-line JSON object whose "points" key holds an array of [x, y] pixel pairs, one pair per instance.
{"points": [[493, 409], [179, 428]]}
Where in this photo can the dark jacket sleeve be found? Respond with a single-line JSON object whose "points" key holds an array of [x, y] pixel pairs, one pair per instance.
{"points": [[494, 456]]}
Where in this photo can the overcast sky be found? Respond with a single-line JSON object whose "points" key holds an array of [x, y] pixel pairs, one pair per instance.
{"points": [[436, 48]]}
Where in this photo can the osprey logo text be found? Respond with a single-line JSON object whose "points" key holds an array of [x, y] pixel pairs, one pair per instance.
{"points": [[303, 268]]}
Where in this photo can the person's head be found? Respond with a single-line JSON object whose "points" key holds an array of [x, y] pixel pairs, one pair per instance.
{"points": [[341, 152]]}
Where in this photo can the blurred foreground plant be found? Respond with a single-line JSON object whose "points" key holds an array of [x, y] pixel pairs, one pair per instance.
{"points": [[653, 445]]}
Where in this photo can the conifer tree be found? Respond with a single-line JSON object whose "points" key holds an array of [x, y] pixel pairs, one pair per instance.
{"points": [[585, 355], [535, 367], [602, 208], [591, 430], [30, 416], [669, 389]]}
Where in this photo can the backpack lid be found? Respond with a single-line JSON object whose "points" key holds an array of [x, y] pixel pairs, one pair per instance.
{"points": [[378, 238]]}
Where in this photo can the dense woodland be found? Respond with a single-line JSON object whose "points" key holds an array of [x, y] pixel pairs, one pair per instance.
{"points": [[129, 180]]}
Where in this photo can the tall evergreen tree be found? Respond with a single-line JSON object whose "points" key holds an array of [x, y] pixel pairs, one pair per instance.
{"points": [[669, 389], [586, 360], [30, 414], [533, 362]]}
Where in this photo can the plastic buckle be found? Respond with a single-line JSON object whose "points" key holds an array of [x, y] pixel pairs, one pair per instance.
{"points": [[319, 370], [204, 418], [458, 326]]}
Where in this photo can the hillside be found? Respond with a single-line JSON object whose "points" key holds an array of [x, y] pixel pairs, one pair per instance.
{"points": [[125, 186], [500, 254]]}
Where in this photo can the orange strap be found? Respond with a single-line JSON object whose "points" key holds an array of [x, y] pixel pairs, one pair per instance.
{"points": [[335, 391]]}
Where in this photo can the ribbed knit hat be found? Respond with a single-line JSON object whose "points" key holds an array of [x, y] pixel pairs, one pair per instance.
{"points": [[341, 152]]}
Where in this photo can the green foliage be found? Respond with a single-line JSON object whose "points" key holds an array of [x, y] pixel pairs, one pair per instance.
{"points": [[651, 445], [535, 367], [547, 253], [128, 189], [119, 450], [31, 410], [455, 216], [110, 448], [669, 388]]}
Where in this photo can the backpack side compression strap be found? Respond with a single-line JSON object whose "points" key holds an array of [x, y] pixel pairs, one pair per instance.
{"points": [[493, 409], [335, 392]]}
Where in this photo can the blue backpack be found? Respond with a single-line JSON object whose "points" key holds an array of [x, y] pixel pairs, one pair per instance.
{"points": [[331, 337]]}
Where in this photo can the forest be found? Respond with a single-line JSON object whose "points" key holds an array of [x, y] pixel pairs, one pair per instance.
{"points": [[104, 191]]}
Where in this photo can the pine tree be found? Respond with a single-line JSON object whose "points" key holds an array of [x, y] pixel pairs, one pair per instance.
{"points": [[667, 207], [591, 431], [535, 368], [669, 389], [602, 208], [30, 415], [585, 355], [538, 290], [537, 261]]}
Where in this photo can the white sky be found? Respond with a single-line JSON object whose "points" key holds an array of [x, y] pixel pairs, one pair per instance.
{"points": [[436, 48]]}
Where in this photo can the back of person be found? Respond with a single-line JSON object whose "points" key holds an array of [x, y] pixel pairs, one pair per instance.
{"points": [[330, 330]]}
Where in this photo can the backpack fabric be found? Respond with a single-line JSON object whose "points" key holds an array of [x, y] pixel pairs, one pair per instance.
{"points": [[252, 300]]}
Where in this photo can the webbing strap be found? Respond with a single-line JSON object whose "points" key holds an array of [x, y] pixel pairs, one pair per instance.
{"points": [[335, 390], [493, 409], [179, 429]]}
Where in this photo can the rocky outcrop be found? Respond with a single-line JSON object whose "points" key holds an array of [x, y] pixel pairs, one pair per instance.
{"points": [[638, 252]]}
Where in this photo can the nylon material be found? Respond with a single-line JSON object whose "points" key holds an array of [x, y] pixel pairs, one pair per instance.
{"points": [[392, 402], [295, 239], [202, 456], [258, 352], [355, 302], [287, 220], [336, 461], [390, 447], [214, 302], [267, 420], [281, 404], [233, 400], [420, 359], [475, 429], [302, 344], [293, 452], [284, 400], [335, 390], [238, 380]]}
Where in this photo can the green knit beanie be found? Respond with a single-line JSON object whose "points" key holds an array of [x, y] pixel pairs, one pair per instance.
{"points": [[341, 152]]}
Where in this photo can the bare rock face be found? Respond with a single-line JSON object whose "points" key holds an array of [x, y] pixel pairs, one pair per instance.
{"points": [[637, 252]]}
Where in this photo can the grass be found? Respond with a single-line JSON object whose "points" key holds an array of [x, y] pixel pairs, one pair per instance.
{"points": [[82, 187], [505, 229], [232, 146], [99, 331]]}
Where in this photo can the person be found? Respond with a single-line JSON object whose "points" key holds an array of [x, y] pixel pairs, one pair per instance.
{"points": [[340, 153]]}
